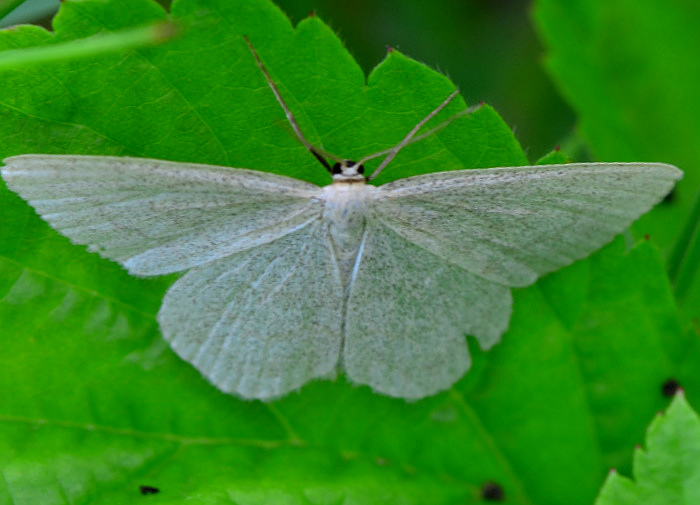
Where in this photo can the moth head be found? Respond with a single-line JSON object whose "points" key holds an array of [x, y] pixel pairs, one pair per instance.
{"points": [[348, 171]]}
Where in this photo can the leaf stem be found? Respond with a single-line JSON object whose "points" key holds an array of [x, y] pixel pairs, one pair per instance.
{"points": [[7, 6], [101, 43]]}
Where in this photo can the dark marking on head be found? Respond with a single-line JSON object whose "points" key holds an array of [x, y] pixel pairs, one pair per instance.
{"points": [[348, 172], [670, 387], [149, 490], [491, 491]]}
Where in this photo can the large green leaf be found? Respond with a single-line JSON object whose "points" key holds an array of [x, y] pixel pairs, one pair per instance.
{"points": [[668, 471], [95, 405], [630, 70]]}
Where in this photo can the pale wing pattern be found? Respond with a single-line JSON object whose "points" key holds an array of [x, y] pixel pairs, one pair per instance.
{"points": [[511, 225], [157, 217], [407, 315], [261, 322]]}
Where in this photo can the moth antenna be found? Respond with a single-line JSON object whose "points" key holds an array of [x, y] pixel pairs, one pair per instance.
{"points": [[409, 139], [420, 137], [319, 154]]}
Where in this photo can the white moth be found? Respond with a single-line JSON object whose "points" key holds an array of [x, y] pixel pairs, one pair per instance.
{"points": [[287, 281]]}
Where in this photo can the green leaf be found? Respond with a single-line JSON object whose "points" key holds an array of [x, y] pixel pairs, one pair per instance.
{"points": [[668, 471], [630, 71], [95, 405]]}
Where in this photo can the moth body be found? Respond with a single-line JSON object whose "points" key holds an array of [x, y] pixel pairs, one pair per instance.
{"points": [[346, 206]]}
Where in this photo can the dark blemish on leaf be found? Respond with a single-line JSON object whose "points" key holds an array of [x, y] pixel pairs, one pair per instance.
{"points": [[670, 387], [647, 237], [492, 492], [389, 49], [381, 462], [312, 14], [409, 469], [557, 148], [149, 490]]}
